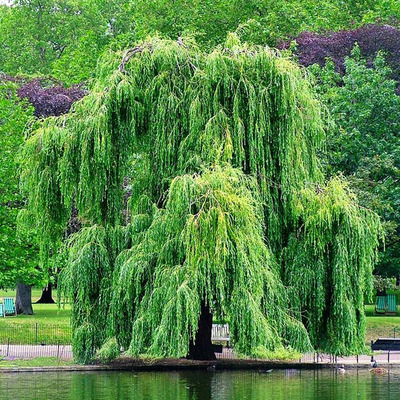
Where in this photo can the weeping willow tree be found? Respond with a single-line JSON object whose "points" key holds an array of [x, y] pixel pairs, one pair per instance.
{"points": [[197, 186]]}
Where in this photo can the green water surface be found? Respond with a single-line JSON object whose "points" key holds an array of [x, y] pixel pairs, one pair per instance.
{"points": [[251, 385]]}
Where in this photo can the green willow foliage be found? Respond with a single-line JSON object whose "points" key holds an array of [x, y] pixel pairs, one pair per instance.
{"points": [[196, 179]]}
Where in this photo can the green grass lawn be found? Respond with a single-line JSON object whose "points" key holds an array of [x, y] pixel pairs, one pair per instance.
{"points": [[380, 325], [6, 362], [45, 314], [49, 324]]}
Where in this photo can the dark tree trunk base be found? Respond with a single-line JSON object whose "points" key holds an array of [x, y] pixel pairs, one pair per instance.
{"points": [[47, 296], [23, 299], [201, 348]]}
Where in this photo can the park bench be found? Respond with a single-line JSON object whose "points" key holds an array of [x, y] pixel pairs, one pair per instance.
{"points": [[9, 306], [391, 304], [220, 333], [380, 307], [2, 314], [386, 304], [385, 344]]}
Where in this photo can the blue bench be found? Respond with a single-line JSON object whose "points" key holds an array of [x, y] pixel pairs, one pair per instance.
{"points": [[9, 306]]}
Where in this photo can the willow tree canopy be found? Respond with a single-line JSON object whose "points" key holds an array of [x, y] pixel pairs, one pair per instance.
{"points": [[196, 182]]}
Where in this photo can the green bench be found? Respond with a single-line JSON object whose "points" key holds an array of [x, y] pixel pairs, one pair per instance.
{"points": [[9, 306], [391, 304], [380, 306], [386, 304]]}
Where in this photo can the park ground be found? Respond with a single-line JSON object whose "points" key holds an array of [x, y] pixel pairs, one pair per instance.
{"points": [[51, 320], [46, 314], [50, 316]]}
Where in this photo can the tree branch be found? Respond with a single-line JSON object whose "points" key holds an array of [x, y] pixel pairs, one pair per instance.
{"points": [[128, 55]]}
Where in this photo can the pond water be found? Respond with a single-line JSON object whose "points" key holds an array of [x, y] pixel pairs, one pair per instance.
{"points": [[277, 385]]}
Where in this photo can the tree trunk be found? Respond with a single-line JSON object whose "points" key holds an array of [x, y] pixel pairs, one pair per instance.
{"points": [[47, 297], [201, 348], [23, 299]]}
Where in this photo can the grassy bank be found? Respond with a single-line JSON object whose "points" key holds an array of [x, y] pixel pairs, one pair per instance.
{"points": [[9, 362]]}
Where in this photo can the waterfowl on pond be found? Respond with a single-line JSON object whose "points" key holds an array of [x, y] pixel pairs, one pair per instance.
{"points": [[341, 369], [265, 371], [377, 370]]}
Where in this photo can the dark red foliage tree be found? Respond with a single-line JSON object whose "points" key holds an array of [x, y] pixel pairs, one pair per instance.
{"points": [[48, 96], [52, 100], [313, 48]]}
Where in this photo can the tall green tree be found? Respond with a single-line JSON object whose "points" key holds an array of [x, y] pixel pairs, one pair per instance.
{"points": [[197, 184], [364, 141], [62, 38], [18, 251]]}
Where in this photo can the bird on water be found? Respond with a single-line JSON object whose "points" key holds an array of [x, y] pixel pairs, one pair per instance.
{"points": [[341, 369], [377, 370]]}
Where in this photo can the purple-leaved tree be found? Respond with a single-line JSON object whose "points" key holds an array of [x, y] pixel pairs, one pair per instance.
{"points": [[314, 48]]}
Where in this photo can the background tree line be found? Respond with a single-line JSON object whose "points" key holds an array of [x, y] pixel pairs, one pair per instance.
{"points": [[64, 38]]}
